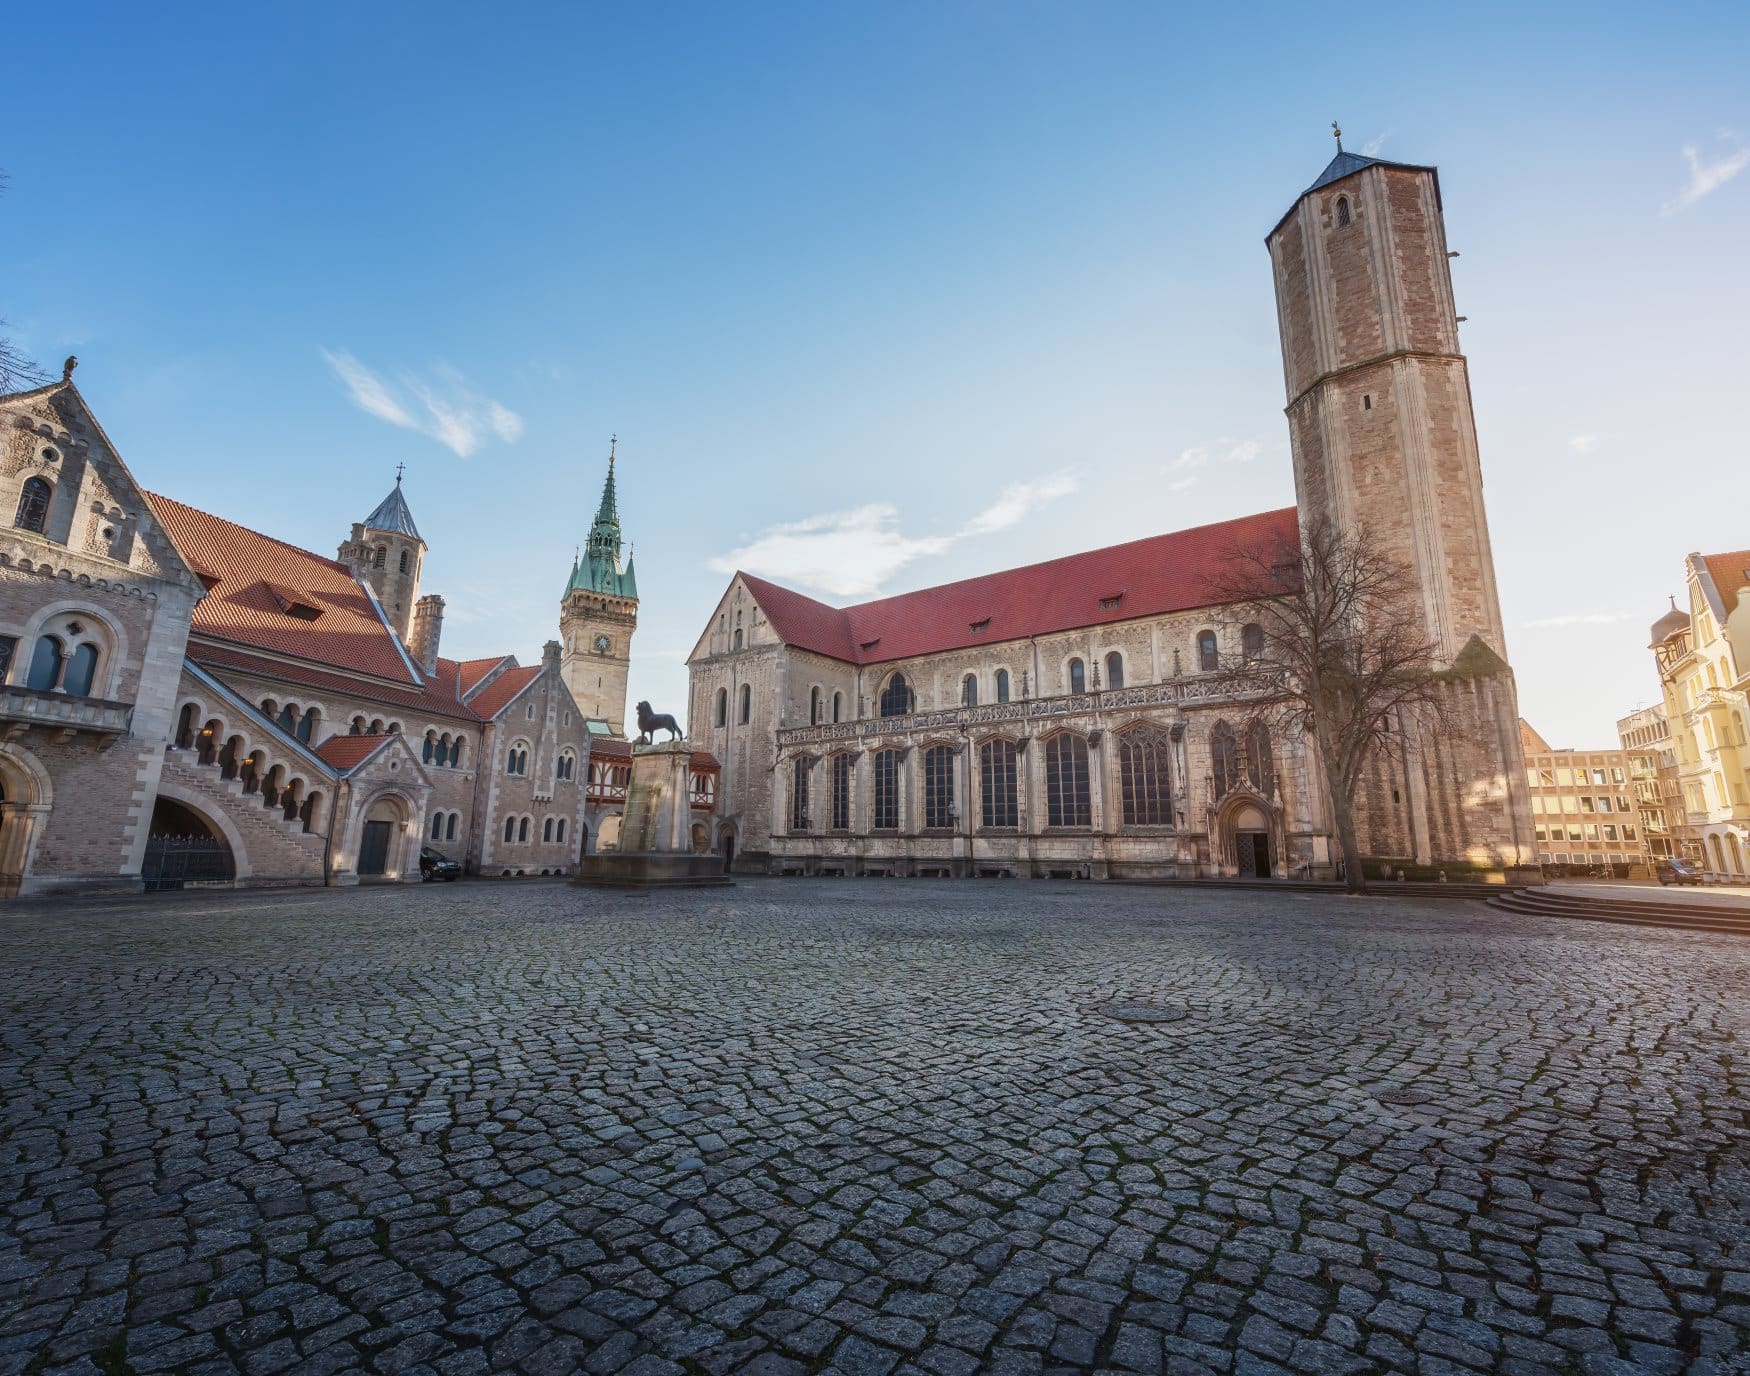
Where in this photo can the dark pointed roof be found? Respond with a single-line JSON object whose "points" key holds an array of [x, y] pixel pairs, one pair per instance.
{"points": [[598, 570], [393, 516], [1341, 166], [1669, 624], [1347, 165]]}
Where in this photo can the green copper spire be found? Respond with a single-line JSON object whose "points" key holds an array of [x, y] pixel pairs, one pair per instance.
{"points": [[597, 568]]}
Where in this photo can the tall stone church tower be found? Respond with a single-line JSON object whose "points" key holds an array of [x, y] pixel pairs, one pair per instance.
{"points": [[1380, 424], [597, 616], [386, 551]]}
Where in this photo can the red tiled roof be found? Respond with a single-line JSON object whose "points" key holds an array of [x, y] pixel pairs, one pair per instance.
{"points": [[607, 745], [246, 602], [348, 752], [473, 670], [704, 759], [1162, 573], [497, 694], [1730, 572], [437, 695]]}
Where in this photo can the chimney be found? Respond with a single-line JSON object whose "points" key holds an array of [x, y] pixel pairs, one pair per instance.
{"points": [[427, 628], [550, 656]]}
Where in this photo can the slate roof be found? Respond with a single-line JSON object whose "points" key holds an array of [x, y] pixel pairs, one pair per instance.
{"points": [[393, 516], [249, 577], [1347, 165], [1162, 573]]}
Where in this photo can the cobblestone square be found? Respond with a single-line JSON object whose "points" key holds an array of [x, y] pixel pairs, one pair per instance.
{"points": [[873, 1126]]}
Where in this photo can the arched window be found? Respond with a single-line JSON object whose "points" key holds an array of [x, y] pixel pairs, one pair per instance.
{"points": [[1078, 676], [738, 637], [45, 664], [567, 768], [456, 752], [522, 831], [886, 790], [969, 691], [510, 828], [939, 786], [999, 798], [186, 725], [799, 794], [1223, 759], [33, 505], [375, 728], [81, 671], [1002, 685], [450, 826], [1114, 670], [838, 702], [746, 702], [559, 834], [517, 762], [1260, 767], [723, 707], [1066, 781], [357, 728], [839, 780], [288, 720], [404, 559], [1208, 660], [1144, 762], [437, 826], [429, 749], [382, 556], [1342, 211], [1252, 642], [814, 706], [547, 830], [896, 697], [307, 813]]}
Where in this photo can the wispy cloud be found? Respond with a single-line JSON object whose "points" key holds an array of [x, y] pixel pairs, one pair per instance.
{"points": [[1583, 444], [1371, 148], [853, 553], [1580, 619], [442, 407], [1224, 450], [1707, 177]]}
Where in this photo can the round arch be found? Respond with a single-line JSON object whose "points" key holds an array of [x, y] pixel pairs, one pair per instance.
{"points": [[216, 820], [387, 818], [29, 797], [115, 652]]}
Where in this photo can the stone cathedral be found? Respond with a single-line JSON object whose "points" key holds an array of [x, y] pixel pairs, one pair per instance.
{"points": [[1071, 718]]}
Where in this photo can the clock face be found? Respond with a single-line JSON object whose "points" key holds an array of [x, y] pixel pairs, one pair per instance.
{"points": [[602, 644]]}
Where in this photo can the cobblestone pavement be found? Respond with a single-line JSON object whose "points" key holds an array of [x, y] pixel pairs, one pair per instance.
{"points": [[873, 1126]]}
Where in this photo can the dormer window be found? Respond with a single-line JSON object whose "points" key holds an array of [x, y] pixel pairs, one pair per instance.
{"points": [[982, 624], [1342, 211], [1112, 603]]}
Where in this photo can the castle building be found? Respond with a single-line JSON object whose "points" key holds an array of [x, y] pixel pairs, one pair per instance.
{"points": [[597, 616], [1079, 717], [186, 700]]}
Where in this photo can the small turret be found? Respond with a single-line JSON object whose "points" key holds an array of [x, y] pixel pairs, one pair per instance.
{"points": [[598, 613], [385, 550]]}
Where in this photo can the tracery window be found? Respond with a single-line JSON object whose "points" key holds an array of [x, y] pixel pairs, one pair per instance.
{"points": [[1145, 763], [1223, 759], [840, 779], [1078, 676], [33, 505], [896, 697], [518, 760], [887, 790], [999, 796], [1208, 660], [1002, 685], [799, 793], [1067, 802], [1114, 670], [939, 786], [969, 691], [1260, 766], [1342, 211]]}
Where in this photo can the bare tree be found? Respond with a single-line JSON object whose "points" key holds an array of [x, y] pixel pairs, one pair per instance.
{"points": [[1341, 651], [17, 372]]}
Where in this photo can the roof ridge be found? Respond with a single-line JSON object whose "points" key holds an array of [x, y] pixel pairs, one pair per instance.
{"points": [[250, 530]]}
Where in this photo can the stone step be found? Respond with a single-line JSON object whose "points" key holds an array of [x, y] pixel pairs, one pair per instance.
{"points": [[1696, 917]]}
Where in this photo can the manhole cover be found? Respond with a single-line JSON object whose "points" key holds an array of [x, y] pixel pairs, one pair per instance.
{"points": [[1130, 1011], [1405, 1098]]}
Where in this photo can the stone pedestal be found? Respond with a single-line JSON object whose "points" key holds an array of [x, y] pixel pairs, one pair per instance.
{"points": [[656, 833]]}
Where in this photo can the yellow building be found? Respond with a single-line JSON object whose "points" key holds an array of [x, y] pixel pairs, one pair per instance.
{"points": [[1703, 654], [1645, 734], [1584, 814]]}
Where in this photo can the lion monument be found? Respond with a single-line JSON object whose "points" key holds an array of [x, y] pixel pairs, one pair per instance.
{"points": [[649, 723]]}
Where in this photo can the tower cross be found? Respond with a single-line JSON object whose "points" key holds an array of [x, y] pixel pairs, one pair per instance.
{"points": [[399, 469]]}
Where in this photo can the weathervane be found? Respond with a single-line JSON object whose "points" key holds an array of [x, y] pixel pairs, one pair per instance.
{"points": [[613, 442], [1337, 134]]}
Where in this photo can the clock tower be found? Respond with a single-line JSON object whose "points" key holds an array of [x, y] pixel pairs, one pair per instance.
{"points": [[597, 616]]}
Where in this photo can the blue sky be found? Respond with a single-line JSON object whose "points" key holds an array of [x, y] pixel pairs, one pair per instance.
{"points": [[875, 297]]}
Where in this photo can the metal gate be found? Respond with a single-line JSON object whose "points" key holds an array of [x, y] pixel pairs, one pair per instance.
{"points": [[172, 861]]}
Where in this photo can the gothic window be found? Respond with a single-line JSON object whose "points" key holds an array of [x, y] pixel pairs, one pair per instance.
{"points": [[567, 766], [1144, 758], [559, 834], [1114, 670], [307, 813], [1078, 676], [838, 702], [404, 558], [1252, 642], [186, 726], [887, 790], [723, 707], [547, 830], [33, 505], [510, 828], [969, 691], [45, 664], [522, 831], [450, 826], [81, 670], [1208, 660], [1002, 685], [1260, 767], [1342, 211], [517, 762], [1067, 802], [896, 697], [1223, 759], [840, 779], [437, 826], [738, 637], [746, 702], [999, 798], [799, 794], [456, 752], [939, 786], [814, 706], [382, 556]]}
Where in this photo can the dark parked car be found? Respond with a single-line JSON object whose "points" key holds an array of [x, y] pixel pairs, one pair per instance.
{"points": [[436, 865], [1676, 871]]}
